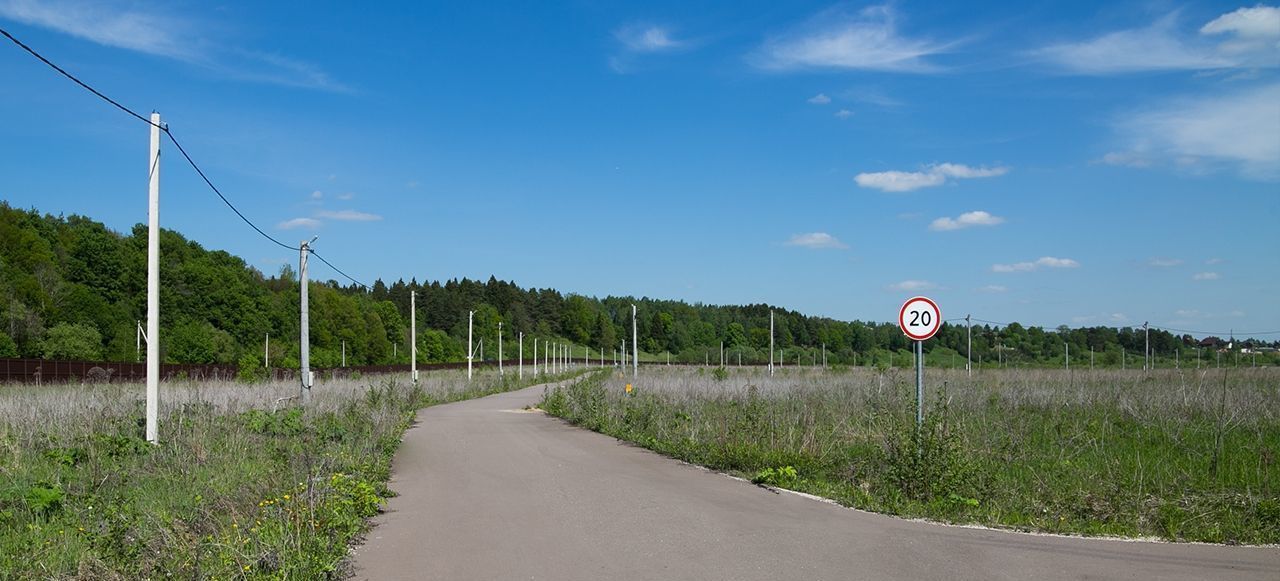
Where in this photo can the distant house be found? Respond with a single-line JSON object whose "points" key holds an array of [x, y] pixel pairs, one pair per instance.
{"points": [[1210, 342]]}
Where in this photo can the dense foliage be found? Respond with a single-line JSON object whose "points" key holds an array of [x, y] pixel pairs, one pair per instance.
{"points": [[71, 288]]}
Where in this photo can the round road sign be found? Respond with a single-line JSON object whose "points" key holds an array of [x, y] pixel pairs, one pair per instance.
{"points": [[920, 318]]}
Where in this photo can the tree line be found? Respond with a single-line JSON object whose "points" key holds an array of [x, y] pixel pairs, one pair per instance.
{"points": [[70, 288]]}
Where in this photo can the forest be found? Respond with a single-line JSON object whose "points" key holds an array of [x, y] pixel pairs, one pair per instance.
{"points": [[70, 288]]}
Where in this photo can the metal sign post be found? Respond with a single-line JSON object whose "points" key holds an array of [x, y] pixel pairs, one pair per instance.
{"points": [[920, 318]]}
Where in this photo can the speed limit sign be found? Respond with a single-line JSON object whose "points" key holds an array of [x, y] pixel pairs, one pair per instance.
{"points": [[919, 318]]}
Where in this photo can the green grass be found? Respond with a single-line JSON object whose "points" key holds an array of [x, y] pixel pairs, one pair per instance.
{"points": [[237, 487], [1179, 456]]}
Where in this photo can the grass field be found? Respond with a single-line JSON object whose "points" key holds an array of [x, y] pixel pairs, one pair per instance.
{"points": [[243, 483], [1186, 456]]}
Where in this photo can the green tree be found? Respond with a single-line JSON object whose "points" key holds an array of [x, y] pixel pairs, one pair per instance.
{"points": [[73, 341]]}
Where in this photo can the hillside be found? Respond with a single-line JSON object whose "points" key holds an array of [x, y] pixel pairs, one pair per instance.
{"points": [[72, 288]]}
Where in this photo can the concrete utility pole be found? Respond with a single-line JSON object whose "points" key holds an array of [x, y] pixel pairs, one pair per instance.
{"points": [[968, 352], [635, 345], [1067, 359], [344, 352], [471, 315], [305, 340], [266, 352], [500, 371], [770, 343], [535, 356], [1146, 347], [153, 283], [520, 373], [413, 337], [722, 354]]}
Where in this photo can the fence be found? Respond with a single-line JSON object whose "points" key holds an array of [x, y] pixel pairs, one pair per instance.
{"points": [[53, 371]]}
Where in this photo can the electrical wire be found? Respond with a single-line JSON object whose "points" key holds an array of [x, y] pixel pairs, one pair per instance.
{"points": [[169, 133], [183, 151], [77, 81], [317, 255]]}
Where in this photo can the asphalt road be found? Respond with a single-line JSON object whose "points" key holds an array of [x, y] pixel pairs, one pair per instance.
{"points": [[489, 491]]}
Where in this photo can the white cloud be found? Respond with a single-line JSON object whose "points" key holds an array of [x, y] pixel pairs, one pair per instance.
{"points": [[646, 38], [819, 99], [1125, 159], [836, 38], [1205, 276], [1215, 261], [844, 114], [933, 175], [348, 215], [993, 288], [1236, 129], [1187, 313], [316, 195], [152, 31], [1044, 261], [912, 286], [1247, 40], [816, 240], [149, 32], [1257, 22], [1165, 262], [298, 223], [966, 220]]}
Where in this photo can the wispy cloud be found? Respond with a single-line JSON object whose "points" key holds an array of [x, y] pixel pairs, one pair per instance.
{"points": [[993, 288], [1236, 130], [966, 220], [299, 223], [931, 176], [646, 38], [840, 39], [1206, 276], [155, 32], [1244, 38], [1042, 262], [843, 114], [912, 286], [348, 216], [819, 99], [638, 39], [1165, 262], [317, 195], [816, 240]]}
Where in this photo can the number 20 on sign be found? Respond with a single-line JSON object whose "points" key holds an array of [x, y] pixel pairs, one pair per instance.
{"points": [[919, 318]]}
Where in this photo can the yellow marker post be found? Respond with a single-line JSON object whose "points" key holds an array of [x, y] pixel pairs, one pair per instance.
{"points": [[628, 389]]}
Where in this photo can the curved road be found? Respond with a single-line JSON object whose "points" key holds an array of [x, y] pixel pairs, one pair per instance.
{"points": [[489, 491]]}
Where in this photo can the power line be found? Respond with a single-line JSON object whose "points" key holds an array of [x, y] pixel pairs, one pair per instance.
{"points": [[74, 79], [216, 191], [168, 132], [317, 255]]}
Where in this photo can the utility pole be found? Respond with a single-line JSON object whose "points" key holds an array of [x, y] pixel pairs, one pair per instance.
{"points": [[535, 356], [500, 371], [635, 345], [413, 337], [771, 343], [520, 373], [1067, 359], [344, 352], [153, 284], [266, 352], [471, 315], [968, 351], [722, 354], [305, 343], [1146, 347]]}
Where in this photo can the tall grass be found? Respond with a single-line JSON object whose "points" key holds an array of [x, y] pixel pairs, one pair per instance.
{"points": [[243, 483], [1178, 455]]}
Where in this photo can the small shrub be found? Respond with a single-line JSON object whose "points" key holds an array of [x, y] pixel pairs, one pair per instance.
{"points": [[784, 477]]}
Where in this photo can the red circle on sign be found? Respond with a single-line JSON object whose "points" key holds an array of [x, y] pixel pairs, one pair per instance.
{"points": [[929, 330]]}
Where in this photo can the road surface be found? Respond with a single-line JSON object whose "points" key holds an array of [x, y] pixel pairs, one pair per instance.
{"points": [[488, 490]]}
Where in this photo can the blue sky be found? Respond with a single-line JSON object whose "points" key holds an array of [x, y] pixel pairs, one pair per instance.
{"points": [[1051, 163]]}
